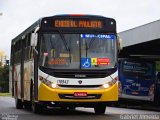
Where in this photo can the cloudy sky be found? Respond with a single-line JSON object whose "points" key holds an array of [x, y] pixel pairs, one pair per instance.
{"points": [[19, 14]]}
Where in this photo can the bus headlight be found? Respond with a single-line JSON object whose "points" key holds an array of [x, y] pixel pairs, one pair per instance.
{"points": [[106, 85], [110, 83], [47, 82], [54, 85]]}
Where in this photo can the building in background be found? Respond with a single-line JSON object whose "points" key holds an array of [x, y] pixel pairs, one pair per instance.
{"points": [[3, 58]]}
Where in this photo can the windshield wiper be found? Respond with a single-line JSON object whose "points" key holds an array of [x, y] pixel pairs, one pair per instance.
{"points": [[90, 44], [65, 44]]}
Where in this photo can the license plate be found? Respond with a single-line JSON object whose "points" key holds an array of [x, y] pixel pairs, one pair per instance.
{"points": [[80, 94]]}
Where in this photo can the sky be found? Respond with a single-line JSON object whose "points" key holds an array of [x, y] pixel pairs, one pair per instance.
{"points": [[17, 15]]}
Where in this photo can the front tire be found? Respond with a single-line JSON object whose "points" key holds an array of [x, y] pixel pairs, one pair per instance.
{"points": [[27, 105], [100, 109], [36, 108]]}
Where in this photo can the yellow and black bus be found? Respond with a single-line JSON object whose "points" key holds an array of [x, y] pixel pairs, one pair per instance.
{"points": [[65, 61]]}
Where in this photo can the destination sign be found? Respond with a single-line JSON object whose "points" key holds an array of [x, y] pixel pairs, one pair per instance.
{"points": [[78, 23]]}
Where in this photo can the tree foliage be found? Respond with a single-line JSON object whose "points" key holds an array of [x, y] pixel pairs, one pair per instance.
{"points": [[4, 78]]}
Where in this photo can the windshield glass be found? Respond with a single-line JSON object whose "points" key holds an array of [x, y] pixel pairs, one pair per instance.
{"points": [[141, 69], [78, 51]]}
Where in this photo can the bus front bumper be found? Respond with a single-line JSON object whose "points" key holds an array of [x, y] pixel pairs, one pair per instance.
{"points": [[46, 93]]}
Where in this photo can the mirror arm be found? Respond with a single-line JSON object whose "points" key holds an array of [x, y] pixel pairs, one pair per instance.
{"points": [[37, 29], [35, 50]]}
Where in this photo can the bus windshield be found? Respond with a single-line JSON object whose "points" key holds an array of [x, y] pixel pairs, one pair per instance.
{"points": [[141, 69], [78, 51]]}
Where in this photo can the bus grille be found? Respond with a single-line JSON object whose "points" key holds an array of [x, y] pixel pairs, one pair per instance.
{"points": [[79, 75], [71, 96], [82, 74], [80, 86]]}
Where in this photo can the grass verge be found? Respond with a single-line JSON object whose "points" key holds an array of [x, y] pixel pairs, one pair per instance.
{"points": [[5, 94]]}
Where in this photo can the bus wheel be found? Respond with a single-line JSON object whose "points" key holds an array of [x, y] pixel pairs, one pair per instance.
{"points": [[36, 108], [27, 105], [100, 109], [19, 103]]}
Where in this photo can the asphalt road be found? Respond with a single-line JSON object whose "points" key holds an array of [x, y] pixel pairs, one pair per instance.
{"points": [[9, 112]]}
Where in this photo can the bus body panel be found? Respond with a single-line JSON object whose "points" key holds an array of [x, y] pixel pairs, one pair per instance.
{"points": [[110, 94], [17, 79], [11, 87], [28, 76]]}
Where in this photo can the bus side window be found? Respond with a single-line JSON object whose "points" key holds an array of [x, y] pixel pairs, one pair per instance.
{"points": [[30, 49], [27, 48], [12, 52], [31, 52], [17, 48]]}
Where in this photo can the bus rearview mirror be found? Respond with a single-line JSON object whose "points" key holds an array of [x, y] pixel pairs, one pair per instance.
{"points": [[119, 44], [34, 37]]}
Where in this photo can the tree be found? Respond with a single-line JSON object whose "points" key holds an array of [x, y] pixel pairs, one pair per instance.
{"points": [[4, 78], [0, 64]]}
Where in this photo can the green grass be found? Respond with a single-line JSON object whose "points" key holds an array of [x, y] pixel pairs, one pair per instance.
{"points": [[5, 94]]}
